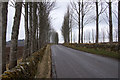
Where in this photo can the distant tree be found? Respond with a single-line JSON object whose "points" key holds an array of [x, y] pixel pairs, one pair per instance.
{"points": [[63, 30], [52, 36], [66, 27], [56, 38], [93, 36], [74, 37], [103, 35], [116, 34], [84, 37], [71, 35], [119, 25], [14, 37], [89, 37]]}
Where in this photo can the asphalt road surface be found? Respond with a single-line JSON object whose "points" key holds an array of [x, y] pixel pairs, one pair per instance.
{"points": [[70, 63]]}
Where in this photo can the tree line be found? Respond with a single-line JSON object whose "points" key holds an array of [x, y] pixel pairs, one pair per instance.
{"points": [[38, 30], [81, 13]]}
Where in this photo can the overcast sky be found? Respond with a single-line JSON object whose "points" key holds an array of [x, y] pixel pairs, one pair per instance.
{"points": [[57, 20]]}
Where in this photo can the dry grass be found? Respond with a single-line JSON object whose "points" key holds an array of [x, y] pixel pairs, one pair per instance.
{"points": [[44, 67]]}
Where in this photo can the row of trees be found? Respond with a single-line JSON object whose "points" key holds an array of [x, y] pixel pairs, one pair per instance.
{"points": [[37, 29], [82, 15]]}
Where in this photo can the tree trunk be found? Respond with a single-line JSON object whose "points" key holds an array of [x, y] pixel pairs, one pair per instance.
{"points": [[4, 25], [36, 34], [97, 22], [34, 27], [37, 37], [39, 31], [41, 21], [119, 25], [1, 41], [110, 22], [30, 30], [15, 32], [26, 45], [82, 22], [79, 23]]}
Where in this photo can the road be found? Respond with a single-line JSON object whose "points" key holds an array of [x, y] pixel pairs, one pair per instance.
{"points": [[70, 63]]}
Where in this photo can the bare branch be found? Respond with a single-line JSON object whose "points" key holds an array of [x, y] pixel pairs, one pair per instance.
{"points": [[115, 14]]}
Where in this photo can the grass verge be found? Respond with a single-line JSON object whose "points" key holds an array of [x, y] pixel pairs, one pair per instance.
{"points": [[97, 51], [44, 66]]}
